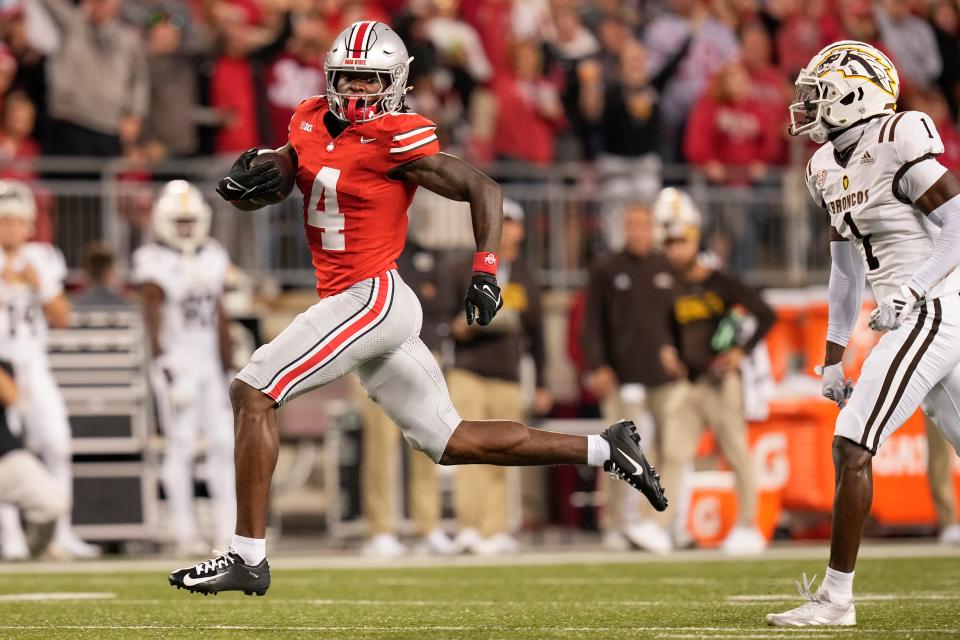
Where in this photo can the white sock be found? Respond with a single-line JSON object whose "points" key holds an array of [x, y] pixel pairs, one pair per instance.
{"points": [[598, 450], [839, 585], [252, 550]]}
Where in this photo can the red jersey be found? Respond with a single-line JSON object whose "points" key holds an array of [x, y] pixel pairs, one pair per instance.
{"points": [[354, 215]]}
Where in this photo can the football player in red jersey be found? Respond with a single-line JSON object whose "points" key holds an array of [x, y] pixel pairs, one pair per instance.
{"points": [[359, 158]]}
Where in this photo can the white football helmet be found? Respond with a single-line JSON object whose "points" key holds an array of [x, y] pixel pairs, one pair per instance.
{"points": [[845, 83], [676, 214], [374, 47], [181, 202], [16, 200]]}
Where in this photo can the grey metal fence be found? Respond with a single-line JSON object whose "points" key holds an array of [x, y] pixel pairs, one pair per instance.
{"points": [[770, 231]]}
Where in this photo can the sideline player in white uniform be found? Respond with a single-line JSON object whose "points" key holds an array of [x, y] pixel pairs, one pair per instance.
{"points": [[877, 176], [182, 275], [31, 299], [359, 159]]}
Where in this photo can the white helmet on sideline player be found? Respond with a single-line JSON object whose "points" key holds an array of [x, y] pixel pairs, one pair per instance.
{"points": [[845, 83], [368, 46], [16, 200], [676, 214], [181, 216]]}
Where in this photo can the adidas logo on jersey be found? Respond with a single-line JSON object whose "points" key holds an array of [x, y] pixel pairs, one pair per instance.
{"points": [[306, 126], [867, 158]]}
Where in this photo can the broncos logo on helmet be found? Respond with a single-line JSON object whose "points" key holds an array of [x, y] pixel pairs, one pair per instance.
{"points": [[860, 64]]}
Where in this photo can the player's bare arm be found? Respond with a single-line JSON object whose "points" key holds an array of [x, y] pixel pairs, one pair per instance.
{"points": [[151, 298], [454, 179], [57, 312]]}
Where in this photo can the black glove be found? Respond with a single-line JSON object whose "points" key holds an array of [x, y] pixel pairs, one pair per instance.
{"points": [[245, 182], [483, 299]]}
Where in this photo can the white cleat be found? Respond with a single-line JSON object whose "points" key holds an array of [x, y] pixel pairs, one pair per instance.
{"points": [[649, 536], [818, 612], [69, 546], [950, 535], [437, 543], [743, 541], [383, 545], [468, 540], [501, 544], [615, 541]]}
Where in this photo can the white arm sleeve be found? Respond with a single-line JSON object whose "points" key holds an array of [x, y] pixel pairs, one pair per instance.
{"points": [[844, 292], [945, 256]]}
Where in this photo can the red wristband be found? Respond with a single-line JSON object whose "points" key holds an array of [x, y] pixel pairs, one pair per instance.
{"points": [[485, 262]]}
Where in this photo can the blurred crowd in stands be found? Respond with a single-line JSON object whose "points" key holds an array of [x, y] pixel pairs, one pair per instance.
{"points": [[627, 83]]}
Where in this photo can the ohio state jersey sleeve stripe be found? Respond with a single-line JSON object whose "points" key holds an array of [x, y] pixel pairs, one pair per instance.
{"points": [[410, 134], [415, 145]]}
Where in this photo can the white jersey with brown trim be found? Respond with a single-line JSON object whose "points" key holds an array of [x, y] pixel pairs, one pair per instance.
{"points": [[862, 193], [23, 325], [193, 286]]}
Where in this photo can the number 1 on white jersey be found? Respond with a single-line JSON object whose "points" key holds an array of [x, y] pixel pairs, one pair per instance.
{"points": [[324, 209]]}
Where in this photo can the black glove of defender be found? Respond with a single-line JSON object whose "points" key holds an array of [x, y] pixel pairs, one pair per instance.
{"points": [[483, 299], [245, 182]]}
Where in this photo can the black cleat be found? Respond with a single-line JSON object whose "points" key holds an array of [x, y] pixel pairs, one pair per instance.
{"points": [[225, 572], [628, 463]]}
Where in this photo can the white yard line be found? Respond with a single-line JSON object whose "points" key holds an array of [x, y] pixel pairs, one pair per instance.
{"points": [[679, 632], [858, 597], [46, 597]]}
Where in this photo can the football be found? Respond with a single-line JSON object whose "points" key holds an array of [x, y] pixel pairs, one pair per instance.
{"points": [[288, 173]]}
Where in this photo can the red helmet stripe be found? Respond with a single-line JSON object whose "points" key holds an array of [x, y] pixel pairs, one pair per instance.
{"points": [[357, 50]]}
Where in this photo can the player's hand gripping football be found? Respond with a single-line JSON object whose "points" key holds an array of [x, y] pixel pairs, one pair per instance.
{"points": [[834, 386], [894, 310], [483, 299], [246, 182]]}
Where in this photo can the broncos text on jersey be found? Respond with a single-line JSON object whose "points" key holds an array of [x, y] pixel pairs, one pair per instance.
{"points": [[355, 216], [868, 199]]}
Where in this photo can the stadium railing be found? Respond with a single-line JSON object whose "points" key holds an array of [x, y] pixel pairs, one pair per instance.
{"points": [[768, 231]]}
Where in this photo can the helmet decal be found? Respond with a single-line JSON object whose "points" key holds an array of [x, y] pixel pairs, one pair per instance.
{"points": [[854, 62]]}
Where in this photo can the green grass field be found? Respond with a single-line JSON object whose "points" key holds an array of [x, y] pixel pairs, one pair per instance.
{"points": [[898, 598]]}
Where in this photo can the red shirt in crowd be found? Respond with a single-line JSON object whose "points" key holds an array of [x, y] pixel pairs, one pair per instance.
{"points": [[232, 92], [522, 133], [290, 80], [731, 133]]}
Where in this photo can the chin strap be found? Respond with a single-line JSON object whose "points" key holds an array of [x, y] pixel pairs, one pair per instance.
{"points": [[357, 110]]}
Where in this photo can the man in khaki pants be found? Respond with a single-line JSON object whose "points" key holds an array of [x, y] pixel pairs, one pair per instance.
{"points": [[420, 269], [484, 384], [705, 360], [625, 323]]}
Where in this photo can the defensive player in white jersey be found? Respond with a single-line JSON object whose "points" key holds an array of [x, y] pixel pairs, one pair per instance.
{"points": [[877, 176], [182, 276], [31, 300]]}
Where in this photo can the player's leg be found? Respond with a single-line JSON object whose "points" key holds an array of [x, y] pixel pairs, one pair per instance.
{"points": [[896, 377], [942, 406], [409, 386], [48, 433], [320, 345], [25, 483], [217, 424]]}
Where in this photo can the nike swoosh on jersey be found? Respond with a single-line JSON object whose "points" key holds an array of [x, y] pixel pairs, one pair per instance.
{"points": [[190, 582], [367, 140], [637, 469]]}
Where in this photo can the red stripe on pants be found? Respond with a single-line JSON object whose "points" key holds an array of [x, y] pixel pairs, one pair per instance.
{"points": [[348, 332]]}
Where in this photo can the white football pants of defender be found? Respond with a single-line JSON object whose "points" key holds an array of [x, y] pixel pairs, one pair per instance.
{"points": [[46, 433], [372, 328], [917, 363], [205, 410]]}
